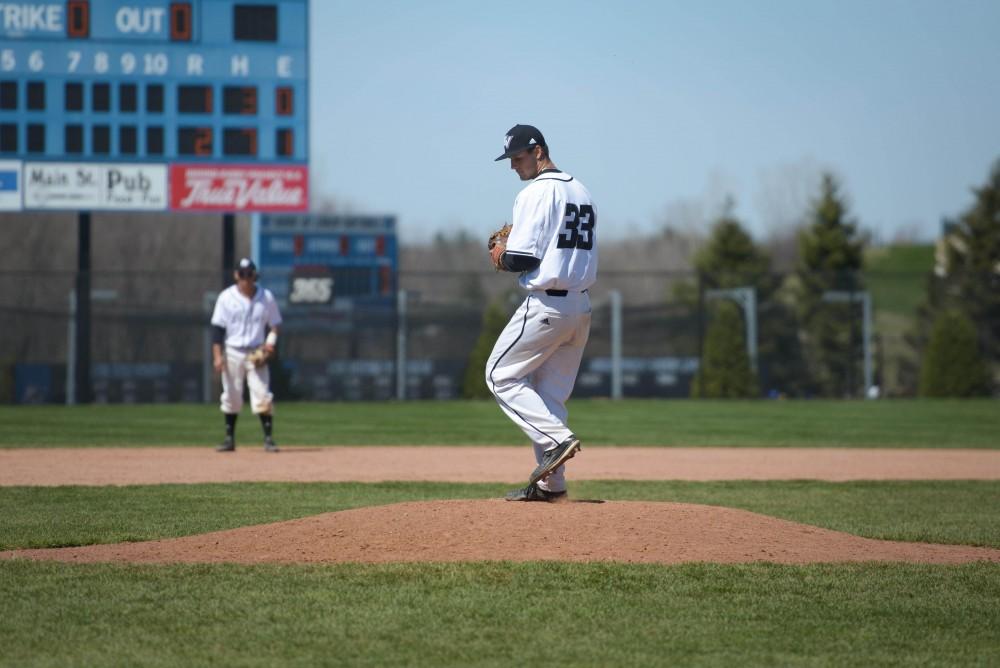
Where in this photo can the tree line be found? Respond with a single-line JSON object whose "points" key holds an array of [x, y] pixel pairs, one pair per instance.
{"points": [[809, 320]]}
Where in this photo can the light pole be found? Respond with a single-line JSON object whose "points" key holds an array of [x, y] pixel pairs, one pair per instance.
{"points": [[864, 297], [616, 344], [746, 298], [71, 337], [401, 345]]}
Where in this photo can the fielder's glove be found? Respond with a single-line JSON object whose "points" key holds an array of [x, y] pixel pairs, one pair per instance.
{"points": [[259, 356], [497, 244]]}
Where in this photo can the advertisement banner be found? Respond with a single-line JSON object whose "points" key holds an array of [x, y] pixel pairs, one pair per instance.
{"points": [[10, 185], [67, 185], [239, 188]]}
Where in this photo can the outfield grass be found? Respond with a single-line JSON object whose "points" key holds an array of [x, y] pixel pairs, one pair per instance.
{"points": [[499, 614], [958, 512], [502, 614], [897, 276], [887, 424]]}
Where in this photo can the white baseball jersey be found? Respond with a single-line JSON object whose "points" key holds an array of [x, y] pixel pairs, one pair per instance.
{"points": [[554, 221], [536, 358], [245, 318]]}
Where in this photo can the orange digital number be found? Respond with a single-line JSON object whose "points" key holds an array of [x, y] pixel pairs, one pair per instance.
{"points": [[203, 141], [251, 136], [284, 101], [78, 12], [249, 105], [180, 21]]}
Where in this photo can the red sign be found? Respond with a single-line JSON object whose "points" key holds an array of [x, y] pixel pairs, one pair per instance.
{"points": [[239, 188]]}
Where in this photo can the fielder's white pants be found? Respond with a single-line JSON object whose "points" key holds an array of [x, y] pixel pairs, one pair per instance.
{"points": [[533, 368], [237, 369]]}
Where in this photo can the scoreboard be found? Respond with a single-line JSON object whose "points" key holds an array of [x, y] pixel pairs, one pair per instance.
{"points": [[318, 262], [154, 105]]}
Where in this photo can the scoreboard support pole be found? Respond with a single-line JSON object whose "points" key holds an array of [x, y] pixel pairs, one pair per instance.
{"points": [[228, 248], [82, 315]]}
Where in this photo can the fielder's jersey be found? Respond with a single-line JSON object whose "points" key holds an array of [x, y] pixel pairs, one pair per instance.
{"points": [[554, 220], [245, 318]]}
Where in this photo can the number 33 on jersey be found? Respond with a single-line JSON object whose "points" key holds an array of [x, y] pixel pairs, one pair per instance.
{"points": [[555, 221]]}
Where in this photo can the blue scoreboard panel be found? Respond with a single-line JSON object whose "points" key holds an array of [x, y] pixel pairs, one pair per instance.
{"points": [[198, 105], [326, 263]]}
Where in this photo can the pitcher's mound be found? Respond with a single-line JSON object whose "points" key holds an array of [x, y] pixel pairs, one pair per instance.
{"points": [[625, 531]]}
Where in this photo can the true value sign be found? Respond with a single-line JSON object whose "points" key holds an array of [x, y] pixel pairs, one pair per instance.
{"points": [[238, 188]]}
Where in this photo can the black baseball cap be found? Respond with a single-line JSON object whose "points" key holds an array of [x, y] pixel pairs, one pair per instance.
{"points": [[521, 138], [246, 266]]}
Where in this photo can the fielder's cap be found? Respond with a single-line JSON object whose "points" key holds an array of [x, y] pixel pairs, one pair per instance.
{"points": [[246, 266], [521, 138]]}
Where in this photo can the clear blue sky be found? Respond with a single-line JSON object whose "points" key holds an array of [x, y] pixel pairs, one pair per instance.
{"points": [[661, 108]]}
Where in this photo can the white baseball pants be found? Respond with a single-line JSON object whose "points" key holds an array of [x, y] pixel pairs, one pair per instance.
{"points": [[258, 378], [533, 368]]}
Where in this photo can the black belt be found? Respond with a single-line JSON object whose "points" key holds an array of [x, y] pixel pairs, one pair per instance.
{"points": [[559, 293]]}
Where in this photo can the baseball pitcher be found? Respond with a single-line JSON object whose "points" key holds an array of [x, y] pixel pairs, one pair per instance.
{"points": [[551, 243], [244, 335]]}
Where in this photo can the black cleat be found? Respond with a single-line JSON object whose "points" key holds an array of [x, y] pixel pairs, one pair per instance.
{"points": [[554, 458], [227, 445], [534, 493], [270, 445]]}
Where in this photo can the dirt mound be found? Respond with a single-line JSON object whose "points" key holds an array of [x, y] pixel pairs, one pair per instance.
{"points": [[623, 531]]}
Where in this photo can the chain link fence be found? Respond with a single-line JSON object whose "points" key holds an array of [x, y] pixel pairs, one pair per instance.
{"points": [[149, 339]]}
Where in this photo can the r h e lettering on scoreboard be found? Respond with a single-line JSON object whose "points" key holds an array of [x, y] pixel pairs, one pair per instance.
{"points": [[202, 102]]}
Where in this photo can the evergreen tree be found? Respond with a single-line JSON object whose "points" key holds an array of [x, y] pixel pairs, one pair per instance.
{"points": [[474, 383], [967, 276], [952, 364], [830, 259], [725, 371], [731, 259]]}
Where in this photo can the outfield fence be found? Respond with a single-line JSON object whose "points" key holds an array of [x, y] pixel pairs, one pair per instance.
{"points": [[148, 338]]}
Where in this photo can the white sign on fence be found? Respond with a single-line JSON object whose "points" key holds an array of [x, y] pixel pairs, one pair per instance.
{"points": [[63, 185]]}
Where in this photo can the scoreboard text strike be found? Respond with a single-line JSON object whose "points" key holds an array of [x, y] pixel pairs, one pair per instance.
{"points": [[154, 105]]}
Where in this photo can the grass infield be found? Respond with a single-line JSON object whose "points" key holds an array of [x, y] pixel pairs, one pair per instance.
{"points": [[885, 424]]}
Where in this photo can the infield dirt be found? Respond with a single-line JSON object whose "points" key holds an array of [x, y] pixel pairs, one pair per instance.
{"points": [[481, 530], [477, 530], [155, 466]]}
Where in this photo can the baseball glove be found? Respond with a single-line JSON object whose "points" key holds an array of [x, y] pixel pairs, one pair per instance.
{"points": [[497, 244], [259, 356]]}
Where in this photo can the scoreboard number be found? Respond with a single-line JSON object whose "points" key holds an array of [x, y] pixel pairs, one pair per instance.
{"points": [[194, 141], [239, 100], [311, 290]]}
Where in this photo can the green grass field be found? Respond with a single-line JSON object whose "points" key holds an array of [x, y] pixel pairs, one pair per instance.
{"points": [[897, 276], [883, 424], [500, 614]]}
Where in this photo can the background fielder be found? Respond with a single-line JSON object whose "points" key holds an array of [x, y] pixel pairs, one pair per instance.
{"points": [[243, 314], [536, 358]]}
